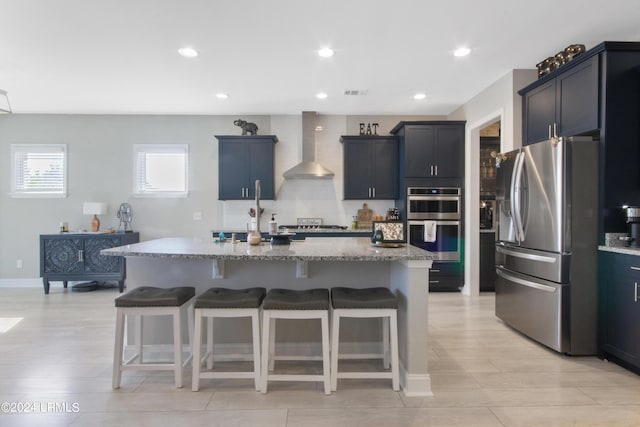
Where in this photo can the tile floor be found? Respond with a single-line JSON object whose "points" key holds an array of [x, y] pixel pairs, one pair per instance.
{"points": [[58, 361]]}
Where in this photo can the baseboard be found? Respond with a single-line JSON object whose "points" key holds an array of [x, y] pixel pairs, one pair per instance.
{"points": [[22, 283]]}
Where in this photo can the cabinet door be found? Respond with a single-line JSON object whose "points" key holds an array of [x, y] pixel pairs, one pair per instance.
{"points": [[449, 151], [419, 152], [62, 255], [539, 111], [96, 263], [385, 169], [621, 307], [577, 99], [232, 170], [260, 166], [357, 169]]}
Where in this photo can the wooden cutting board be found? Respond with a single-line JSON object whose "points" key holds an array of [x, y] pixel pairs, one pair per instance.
{"points": [[365, 217]]}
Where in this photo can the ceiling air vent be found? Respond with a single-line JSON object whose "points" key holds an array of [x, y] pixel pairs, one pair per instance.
{"points": [[355, 92]]}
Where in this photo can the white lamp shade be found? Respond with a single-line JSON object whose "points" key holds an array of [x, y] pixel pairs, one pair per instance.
{"points": [[94, 208]]}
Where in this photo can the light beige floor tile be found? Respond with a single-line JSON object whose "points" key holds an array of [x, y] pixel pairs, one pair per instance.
{"points": [[62, 351], [247, 418], [610, 396], [477, 417], [611, 416], [307, 399]]}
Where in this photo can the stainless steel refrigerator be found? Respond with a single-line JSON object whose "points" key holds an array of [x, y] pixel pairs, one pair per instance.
{"points": [[546, 250]]}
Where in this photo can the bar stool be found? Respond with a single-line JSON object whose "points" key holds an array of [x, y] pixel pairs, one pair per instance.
{"points": [[152, 301], [293, 304], [366, 303], [223, 302]]}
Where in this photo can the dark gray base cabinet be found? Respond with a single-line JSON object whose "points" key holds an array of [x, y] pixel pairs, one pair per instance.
{"points": [[619, 309], [72, 257], [487, 262], [446, 277]]}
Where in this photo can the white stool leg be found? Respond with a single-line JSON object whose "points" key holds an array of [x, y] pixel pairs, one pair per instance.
{"points": [[266, 323], [255, 333], [209, 342], [272, 343], [138, 332], [177, 347], [335, 342], [385, 340], [395, 371], [190, 319], [324, 320], [197, 346], [118, 348]]}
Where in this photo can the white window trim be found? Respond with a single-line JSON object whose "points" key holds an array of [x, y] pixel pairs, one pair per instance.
{"points": [[15, 148], [160, 148]]}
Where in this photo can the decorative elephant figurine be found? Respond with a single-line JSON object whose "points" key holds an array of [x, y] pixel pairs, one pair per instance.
{"points": [[247, 127]]}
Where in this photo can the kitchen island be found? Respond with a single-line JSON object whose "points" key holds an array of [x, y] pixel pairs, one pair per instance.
{"points": [[312, 263]]}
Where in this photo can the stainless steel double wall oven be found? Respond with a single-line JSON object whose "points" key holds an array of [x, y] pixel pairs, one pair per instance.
{"points": [[443, 206]]}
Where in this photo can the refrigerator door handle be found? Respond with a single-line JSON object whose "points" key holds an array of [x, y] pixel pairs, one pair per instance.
{"points": [[531, 257], [523, 282], [516, 196]]}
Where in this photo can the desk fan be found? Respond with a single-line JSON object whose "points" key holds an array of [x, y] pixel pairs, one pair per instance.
{"points": [[125, 215]]}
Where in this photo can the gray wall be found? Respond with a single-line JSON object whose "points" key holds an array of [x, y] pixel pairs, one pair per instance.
{"points": [[100, 166]]}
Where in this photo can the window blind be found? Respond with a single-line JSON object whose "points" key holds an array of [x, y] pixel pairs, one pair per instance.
{"points": [[160, 169], [38, 169]]}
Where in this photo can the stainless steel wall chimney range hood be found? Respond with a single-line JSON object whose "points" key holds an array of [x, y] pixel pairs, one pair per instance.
{"points": [[308, 168]]}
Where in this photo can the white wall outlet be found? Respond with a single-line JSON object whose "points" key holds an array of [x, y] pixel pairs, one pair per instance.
{"points": [[197, 216], [19, 263]]}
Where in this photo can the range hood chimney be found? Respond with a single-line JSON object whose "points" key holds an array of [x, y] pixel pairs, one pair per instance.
{"points": [[308, 168]]}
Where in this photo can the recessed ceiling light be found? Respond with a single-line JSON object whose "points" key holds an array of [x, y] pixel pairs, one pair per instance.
{"points": [[419, 96], [325, 52], [222, 96], [321, 95], [188, 52], [462, 51]]}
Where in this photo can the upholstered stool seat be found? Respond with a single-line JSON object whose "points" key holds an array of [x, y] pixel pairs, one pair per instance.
{"points": [[366, 303], [152, 301], [230, 303], [294, 304]]}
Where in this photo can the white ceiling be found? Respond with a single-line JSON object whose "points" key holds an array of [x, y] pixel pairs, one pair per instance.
{"points": [[120, 56]]}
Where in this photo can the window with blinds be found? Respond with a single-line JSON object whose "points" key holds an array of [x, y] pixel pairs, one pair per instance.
{"points": [[160, 170], [38, 170]]}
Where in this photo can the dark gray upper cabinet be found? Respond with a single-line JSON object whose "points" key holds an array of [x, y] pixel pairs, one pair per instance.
{"points": [[619, 308], [431, 149], [370, 167], [564, 106], [241, 161]]}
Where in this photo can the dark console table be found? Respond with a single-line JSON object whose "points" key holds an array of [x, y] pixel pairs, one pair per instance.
{"points": [[71, 256]]}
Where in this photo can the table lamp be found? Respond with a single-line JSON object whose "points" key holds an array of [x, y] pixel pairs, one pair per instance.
{"points": [[95, 209]]}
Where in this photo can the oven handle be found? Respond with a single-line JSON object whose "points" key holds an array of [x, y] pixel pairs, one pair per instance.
{"points": [[445, 198], [437, 221]]}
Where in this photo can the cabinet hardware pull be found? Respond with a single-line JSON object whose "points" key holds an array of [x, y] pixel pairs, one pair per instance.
{"points": [[80, 255], [436, 167], [434, 281], [549, 132], [374, 192], [635, 268], [555, 130], [431, 170], [635, 295]]}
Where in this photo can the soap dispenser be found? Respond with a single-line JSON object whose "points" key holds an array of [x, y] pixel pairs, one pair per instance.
{"points": [[273, 225]]}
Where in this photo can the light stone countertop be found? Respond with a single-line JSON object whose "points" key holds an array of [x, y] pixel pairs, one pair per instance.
{"points": [[621, 250], [311, 249]]}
